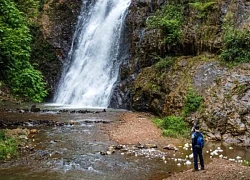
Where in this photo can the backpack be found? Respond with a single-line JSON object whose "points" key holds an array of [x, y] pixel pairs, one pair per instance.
{"points": [[200, 140]]}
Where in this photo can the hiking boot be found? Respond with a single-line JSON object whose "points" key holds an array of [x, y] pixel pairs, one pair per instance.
{"points": [[202, 168], [195, 170]]}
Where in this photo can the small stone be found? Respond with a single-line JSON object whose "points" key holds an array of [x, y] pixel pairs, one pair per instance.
{"points": [[103, 153], [171, 147], [109, 152], [33, 131]]}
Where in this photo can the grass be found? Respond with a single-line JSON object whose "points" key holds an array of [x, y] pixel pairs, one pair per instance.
{"points": [[246, 163]]}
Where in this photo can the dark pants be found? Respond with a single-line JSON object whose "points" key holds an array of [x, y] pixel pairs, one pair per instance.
{"points": [[198, 152]]}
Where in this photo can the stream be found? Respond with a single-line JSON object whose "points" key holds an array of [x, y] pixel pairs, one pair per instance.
{"points": [[72, 151]]}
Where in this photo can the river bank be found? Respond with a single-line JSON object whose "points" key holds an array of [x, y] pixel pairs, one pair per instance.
{"points": [[71, 141], [138, 127]]}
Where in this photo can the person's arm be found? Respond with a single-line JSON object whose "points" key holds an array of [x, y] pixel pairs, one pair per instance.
{"points": [[192, 130], [193, 137]]}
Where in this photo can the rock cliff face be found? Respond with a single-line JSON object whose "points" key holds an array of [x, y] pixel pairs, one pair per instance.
{"points": [[57, 21], [142, 44], [142, 86]]}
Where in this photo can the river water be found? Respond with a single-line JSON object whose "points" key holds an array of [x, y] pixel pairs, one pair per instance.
{"points": [[72, 152]]}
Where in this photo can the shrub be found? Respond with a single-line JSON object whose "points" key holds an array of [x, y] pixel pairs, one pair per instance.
{"points": [[173, 126], [8, 146], [202, 8], [29, 8], [164, 63], [246, 163], [15, 50], [169, 20], [28, 83], [192, 102], [236, 45]]}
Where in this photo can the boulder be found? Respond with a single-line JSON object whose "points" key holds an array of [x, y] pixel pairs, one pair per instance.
{"points": [[34, 109]]}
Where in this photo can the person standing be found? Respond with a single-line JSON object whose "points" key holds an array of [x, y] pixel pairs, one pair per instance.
{"points": [[197, 146]]}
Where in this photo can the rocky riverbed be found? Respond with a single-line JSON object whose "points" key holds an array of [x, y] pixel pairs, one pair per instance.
{"points": [[92, 144], [138, 128]]}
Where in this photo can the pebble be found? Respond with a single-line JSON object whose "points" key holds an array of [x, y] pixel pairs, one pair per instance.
{"points": [[238, 157]]}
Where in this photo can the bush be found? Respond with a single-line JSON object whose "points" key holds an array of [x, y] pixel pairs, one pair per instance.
{"points": [[169, 20], [164, 63], [28, 83], [15, 50], [173, 126], [8, 146], [202, 8], [192, 102], [246, 163], [29, 8], [236, 45]]}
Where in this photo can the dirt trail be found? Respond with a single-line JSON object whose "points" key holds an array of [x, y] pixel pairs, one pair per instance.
{"points": [[138, 127]]}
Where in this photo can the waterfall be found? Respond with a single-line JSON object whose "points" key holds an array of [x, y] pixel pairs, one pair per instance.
{"points": [[93, 61]]}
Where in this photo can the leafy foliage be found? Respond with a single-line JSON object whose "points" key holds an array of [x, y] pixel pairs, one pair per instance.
{"points": [[173, 126], [15, 49], [29, 8], [236, 45], [202, 7], [192, 102], [8, 146], [2, 135], [169, 20], [246, 163], [164, 62]]}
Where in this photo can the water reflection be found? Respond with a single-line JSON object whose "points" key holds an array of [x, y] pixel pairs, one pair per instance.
{"points": [[72, 152]]}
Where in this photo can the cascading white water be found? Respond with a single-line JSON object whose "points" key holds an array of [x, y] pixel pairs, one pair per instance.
{"points": [[94, 63]]}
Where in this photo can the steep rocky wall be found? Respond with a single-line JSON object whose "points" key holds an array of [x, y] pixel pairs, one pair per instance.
{"points": [[144, 87], [54, 37], [57, 22], [141, 45], [227, 106]]}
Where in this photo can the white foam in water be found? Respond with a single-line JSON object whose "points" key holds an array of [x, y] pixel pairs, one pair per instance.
{"points": [[94, 62], [68, 106]]}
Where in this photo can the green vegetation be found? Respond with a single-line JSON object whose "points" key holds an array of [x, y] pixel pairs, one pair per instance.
{"points": [[173, 126], [15, 39], [236, 42], [236, 45], [8, 146], [164, 63], [29, 9], [202, 8], [169, 20], [246, 163], [192, 102], [240, 89]]}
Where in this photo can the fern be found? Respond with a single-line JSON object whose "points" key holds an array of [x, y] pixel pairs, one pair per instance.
{"points": [[202, 7]]}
